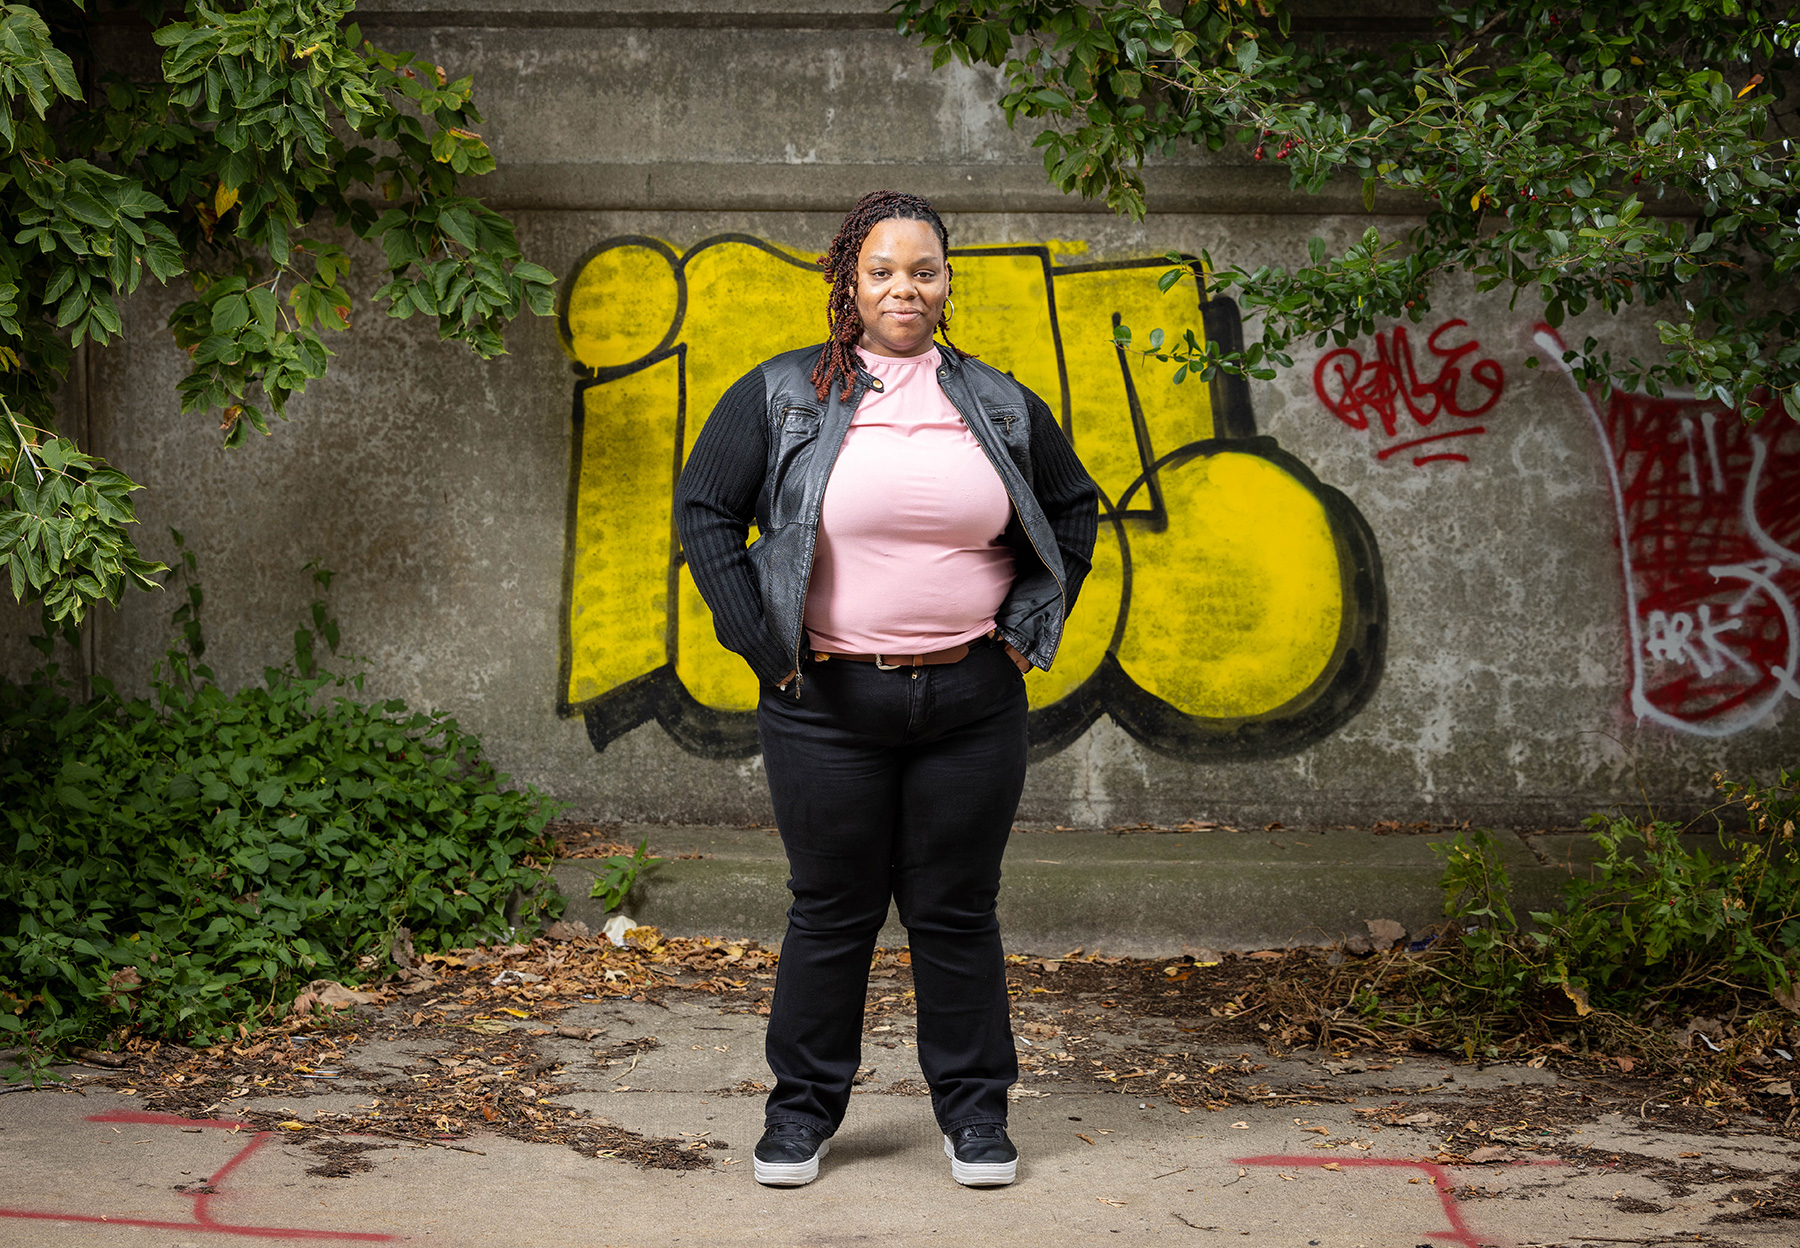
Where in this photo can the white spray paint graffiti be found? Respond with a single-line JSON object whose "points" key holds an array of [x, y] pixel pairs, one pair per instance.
{"points": [[1703, 505]]}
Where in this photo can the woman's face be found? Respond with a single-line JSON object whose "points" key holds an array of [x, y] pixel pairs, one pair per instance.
{"points": [[902, 280]]}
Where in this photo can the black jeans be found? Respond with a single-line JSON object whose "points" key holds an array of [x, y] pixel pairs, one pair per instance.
{"points": [[887, 783]]}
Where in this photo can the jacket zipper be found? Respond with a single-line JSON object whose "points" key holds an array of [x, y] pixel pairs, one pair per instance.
{"points": [[812, 542], [805, 588], [1061, 593]]}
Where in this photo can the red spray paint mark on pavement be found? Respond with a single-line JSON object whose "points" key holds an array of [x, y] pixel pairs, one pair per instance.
{"points": [[203, 1219], [139, 1118], [1437, 1175], [1708, 510], [1378, 394]]}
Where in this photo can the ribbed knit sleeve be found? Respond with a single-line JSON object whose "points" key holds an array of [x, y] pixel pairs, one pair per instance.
{"points": [[715, 505], [1067, 494]]}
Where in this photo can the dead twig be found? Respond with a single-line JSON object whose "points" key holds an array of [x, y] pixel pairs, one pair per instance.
{"points": [[32, 1087], [1185, 1222], [361, 1129]]}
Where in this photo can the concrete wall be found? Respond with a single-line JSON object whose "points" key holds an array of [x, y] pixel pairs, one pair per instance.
{"points": [[1332, 615]]}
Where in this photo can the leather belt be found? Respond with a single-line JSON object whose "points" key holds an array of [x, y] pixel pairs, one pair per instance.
{"points": [[893, 662]]}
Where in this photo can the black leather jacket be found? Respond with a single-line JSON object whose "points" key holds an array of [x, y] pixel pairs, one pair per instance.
{"points": [[1052, 537]]}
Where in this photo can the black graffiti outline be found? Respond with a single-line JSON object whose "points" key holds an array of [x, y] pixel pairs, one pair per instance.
{"points": [[1342, 688]]}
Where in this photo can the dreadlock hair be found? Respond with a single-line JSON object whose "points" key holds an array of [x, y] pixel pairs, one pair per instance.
{"points": [[838, 361]]}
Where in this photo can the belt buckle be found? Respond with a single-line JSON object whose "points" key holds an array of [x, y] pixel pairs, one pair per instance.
{"points": [[887, 667]]}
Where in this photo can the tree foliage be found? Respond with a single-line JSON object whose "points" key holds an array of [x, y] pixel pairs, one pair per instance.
{"points": [[1600, 155], [270, 129]]}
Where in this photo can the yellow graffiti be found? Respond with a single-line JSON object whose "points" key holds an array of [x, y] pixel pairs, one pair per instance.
{"points": [[1220, 579]]}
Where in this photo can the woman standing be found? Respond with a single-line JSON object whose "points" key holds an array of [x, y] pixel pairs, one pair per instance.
{"points": [[924, 530]]}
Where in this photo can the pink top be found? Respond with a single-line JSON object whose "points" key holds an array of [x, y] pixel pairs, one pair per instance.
{"points": [[909, 557]]}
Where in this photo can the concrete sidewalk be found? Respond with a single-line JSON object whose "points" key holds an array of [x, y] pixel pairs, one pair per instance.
{"points": [[1099, 1161], [1137, 893]]}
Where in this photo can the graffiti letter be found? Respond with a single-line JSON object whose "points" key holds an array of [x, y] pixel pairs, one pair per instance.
{"points": [[1236, 603]]}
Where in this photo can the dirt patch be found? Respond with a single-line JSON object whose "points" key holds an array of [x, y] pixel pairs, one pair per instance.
{"points": [[342, 1158], [743, 1087], [908, 1087], [576, 838], [1770, 1202], [475, 1083]]}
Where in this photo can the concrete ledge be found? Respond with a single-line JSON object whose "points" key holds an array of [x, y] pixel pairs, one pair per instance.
{"points": [[1576, 853], [714, 186], [1141, 894]]}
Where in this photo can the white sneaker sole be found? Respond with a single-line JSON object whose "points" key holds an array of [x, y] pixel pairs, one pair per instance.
{"points": [[790, 1173], [980, 1173]]}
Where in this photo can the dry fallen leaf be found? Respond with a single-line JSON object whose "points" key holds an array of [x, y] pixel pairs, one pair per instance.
{"points": [[1240, 1126], [1332, 1165], [1116, 1204], [1287, 1178], [1688, 1154], [1318, 1130], [1080, 1136], [328, 993]]}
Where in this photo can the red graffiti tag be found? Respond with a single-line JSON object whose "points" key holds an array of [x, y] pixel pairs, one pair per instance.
{"points": [[1437, 1175], [203, 1220], [1378, 393], [1708, 511]]}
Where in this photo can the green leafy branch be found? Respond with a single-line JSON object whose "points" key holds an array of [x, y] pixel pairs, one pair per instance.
{"points": [[1628, 152], [30, 66], [62, 518], [447, 255], [269, 124]]}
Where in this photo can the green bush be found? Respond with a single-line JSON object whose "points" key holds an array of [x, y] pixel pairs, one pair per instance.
{"points": [[1656, 924], [183, 865], [1658, 919]]}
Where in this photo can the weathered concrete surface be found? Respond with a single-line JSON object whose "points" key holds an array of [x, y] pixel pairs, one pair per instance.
{"points": [[1254, 1174], [437, 486], [1135, 894]]}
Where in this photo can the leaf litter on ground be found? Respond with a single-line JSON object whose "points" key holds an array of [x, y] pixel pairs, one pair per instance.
{"points": [[1086, 1022]]}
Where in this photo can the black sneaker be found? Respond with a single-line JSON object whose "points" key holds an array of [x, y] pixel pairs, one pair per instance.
{"points": [[788, 1154], [981, 1156]]}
